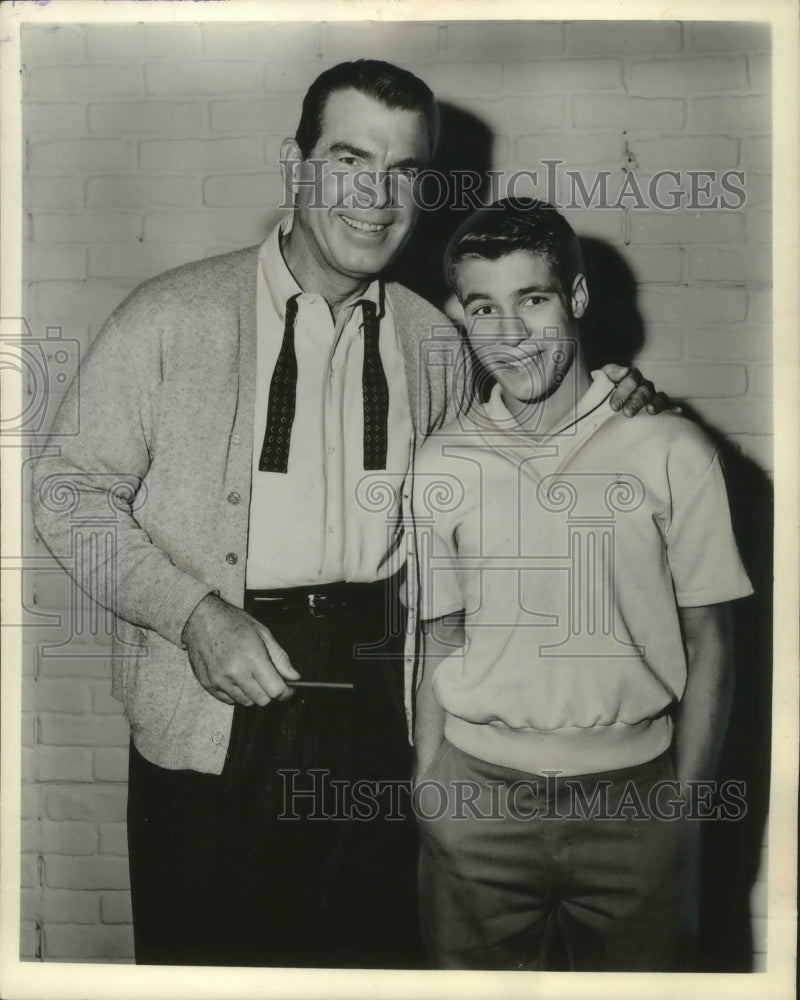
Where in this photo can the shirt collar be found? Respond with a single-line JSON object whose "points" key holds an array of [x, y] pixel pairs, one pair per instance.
{"points": [[281, 282], [498, 413]]}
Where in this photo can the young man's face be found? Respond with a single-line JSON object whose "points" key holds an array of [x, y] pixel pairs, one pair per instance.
{"points": [[520, 323], [354, 213]]}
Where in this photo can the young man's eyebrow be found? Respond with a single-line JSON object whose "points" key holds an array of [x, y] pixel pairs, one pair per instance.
{"points": [[474, 297], [527, 290], [409, 162]]}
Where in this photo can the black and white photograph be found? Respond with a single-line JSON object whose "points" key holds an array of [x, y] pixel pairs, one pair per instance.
{"points": [[394, 495]]}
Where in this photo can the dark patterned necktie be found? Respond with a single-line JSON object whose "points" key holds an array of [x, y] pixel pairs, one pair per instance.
{"points": [[282, 394], [376, 393]]}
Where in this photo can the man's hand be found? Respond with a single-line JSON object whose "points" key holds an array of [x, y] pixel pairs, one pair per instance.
{"points": [[634, 391], [234, 657]]}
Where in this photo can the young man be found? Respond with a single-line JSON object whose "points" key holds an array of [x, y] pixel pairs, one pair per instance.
{"points": [[244, 401], [575, 569]]}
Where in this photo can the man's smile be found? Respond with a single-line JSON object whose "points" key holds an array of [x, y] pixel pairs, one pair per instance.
{"points": [[364, 227]]}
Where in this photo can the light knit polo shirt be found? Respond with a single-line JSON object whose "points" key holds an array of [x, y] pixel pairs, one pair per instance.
{"points": [[314, 524], [571, 553]]}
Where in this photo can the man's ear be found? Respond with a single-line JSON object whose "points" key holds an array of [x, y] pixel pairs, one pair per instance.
{"points": [[290, 161], [580, 296]]}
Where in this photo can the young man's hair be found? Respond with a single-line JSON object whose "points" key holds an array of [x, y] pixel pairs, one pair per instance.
{"points": [[395, 88], [514, 224]]}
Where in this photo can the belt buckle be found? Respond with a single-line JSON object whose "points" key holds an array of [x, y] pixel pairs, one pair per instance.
{"points": [[315, 605]]}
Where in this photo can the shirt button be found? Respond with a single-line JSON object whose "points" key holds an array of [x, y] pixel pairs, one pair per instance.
{"points": [[218, 739], [231, 558], [234, 497], [236, 438]]}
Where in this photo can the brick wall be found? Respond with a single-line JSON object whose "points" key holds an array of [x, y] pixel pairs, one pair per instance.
{"points": [[150, 145]]}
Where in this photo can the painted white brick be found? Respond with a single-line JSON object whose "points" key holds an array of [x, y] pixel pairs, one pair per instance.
{"points": [[760, 380], [398, 42], [742, 112], [44, 193], [687, 75], [260, 41], [757, 152], [103, 703], [759, 227], [70, 730], [731, 264], [139, 260], [104, 942], [687, 227], [92, 300], [699, 381], [86, 802], [655, 265], [604, 111], [596, 223], [564, 74], [30, 904], [110, 42], [735, 36], [86, 227], [198, 154], [597, 38], [111, 764], [505, 41], [75, 665], [64, 764], [757, 188], [127, 191], [207, 225], [113, 838], [115, 908], [741, 341], [29, 871], [87, 873], [293, 76], [145, 118], [759, 305], [70, 906], [53, 119], [698, 306], [53, 43], [71, 838], [760, 71], [275, 113], [79, 156], [263, 189], [54, 261], [573, 151], [684, 152], [31, 835], [451, 81], [203, 77], [68, 82], [29, 940], [29, 802]]}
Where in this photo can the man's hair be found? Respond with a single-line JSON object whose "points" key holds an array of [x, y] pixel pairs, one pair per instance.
{"points": [[391, 86], [513, 224]]}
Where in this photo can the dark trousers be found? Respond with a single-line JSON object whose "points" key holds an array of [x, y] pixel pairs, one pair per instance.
{"points": [[303, 852], [525, 876]]}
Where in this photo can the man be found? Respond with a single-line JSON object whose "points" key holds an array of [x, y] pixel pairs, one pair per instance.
{"points": [[249, 402]]}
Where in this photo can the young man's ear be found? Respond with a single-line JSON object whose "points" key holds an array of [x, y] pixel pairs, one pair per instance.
{"points": [[580, 296], [290, 161]]}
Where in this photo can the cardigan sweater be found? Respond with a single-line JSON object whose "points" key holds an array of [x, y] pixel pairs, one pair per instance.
{"points": [[163, 459]]}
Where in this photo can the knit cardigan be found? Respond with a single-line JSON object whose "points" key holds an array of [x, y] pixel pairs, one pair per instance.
{"points": [[163, 460]]}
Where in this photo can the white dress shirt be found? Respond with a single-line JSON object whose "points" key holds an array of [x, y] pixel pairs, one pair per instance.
{"points": [[325, 519]]}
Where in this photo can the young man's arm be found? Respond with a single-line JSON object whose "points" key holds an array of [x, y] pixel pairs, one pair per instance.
{"points": [[702, 716], [440, 637]]}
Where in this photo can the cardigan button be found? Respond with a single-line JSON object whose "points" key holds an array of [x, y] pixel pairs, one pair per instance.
{"points": [[236, 438], [218, 739], [231, 559], [234, 497]]}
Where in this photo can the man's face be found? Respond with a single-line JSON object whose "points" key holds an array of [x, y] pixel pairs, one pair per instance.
{"points": [[519, 322], [354, 212]]}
